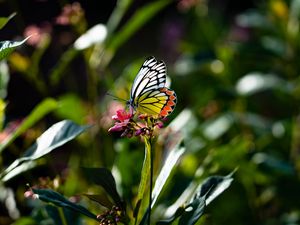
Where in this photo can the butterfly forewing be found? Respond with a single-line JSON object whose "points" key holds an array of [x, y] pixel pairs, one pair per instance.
{"points": [[151, 76]]}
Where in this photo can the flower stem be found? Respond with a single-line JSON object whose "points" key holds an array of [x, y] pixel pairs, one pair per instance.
{"points": [[145, 177], [151, 181], [62, 216]]}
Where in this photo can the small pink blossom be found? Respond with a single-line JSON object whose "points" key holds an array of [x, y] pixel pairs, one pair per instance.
{"points": [[37, 33], [30, 194], [71, 14], [159, 124], [141, 125], [122, 116], [123, 123]]}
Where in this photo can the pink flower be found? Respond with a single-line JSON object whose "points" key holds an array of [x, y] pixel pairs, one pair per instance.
{"points": [[37, 33], [160, 124], [123, 123], [141, 125], [122, 116], [71, 14]]}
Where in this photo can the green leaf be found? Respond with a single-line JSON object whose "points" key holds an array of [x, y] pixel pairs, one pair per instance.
{"points": [[2, 113], [6, 47], [4, 78], [193, 212], [256, 82], [204, 194], [7, 194], [213, 187], [101, 199], [215, 127], [178, 213], [68, 108], [208, 191], [62, 64], [169, 164], [4, 20], [57, 199], [140, 17], [104, 178], [25, 221], [145, 174], [57, 135], [25, 166], [38, 112], [95, 35]]}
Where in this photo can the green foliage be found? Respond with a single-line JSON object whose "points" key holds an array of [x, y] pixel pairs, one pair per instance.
{"points": [[4, 20], [39, 112], [7, 47], [60, 201], [57, 135], [104, 178], [236, 76]]}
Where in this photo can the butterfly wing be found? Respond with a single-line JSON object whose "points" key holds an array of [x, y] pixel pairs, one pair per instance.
{"points": [[160, 102], [151, 76]]}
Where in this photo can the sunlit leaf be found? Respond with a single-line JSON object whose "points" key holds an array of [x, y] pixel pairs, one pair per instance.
{"points": [[57, 199], [4, 20], [96, 34], [202, 195], [164, 174], [2, 110], [117, 15], [255, 82], [216, 127], [8, 200], [169, 164], [213, 187], [6, 47], [104, 178], [57, 135], [144, 182], [25, 221], [4, 78], [25, 166], [193, 212], [38, 112]]}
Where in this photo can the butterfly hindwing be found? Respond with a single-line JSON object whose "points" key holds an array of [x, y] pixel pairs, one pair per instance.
{"points": [[157, 102], [170, 103]]}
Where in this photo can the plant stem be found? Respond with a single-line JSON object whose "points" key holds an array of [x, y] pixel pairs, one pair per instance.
{"points": [[150, 180], [62, 216]]}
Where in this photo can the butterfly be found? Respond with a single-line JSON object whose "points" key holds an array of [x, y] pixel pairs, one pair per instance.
{"points": [[148, 93]]}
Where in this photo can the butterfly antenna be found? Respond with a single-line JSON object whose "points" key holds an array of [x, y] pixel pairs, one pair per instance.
{"points": [[115, 97]]}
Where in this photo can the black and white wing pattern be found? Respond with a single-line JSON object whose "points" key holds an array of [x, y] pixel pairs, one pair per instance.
{"points": [[151, 76], [148, 93]]}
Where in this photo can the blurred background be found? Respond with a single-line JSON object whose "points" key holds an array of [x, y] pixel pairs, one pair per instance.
{"points": [[233, 64]]}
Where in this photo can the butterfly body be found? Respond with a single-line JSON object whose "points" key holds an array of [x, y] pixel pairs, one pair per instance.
{"points": [[148, 94]]}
